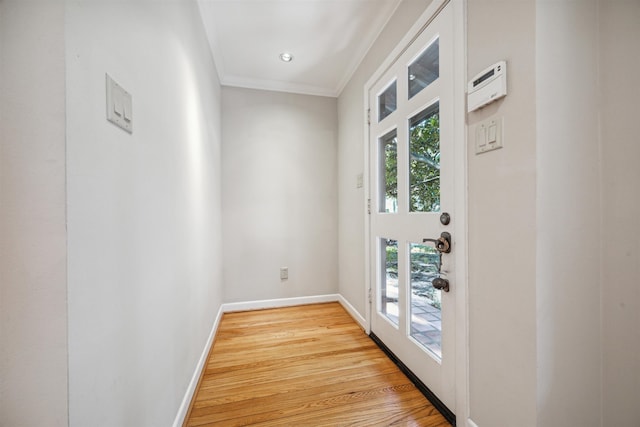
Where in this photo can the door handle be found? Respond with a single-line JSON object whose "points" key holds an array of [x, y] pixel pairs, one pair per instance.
{"points": [[442, 244]]}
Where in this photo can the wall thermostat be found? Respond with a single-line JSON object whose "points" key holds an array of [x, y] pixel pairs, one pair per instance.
{"points": [[487, 86]]}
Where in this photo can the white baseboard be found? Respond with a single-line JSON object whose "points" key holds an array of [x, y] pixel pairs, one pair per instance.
{"points": [[188, 396], [254, 305], [353, 312], [277, 303], [471, 423]]}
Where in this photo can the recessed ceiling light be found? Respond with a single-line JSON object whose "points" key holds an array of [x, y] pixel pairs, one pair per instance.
{"points": [[286, 57]]}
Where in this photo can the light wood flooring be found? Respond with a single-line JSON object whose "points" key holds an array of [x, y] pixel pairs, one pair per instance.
{"points": [[309, 365]]}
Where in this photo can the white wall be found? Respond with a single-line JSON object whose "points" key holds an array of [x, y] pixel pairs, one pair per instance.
{"points": [[589, 235], [33, 292], [502, 218], [619, 30], [279, 194], [569, 250], [144, 244], [351, 113]]}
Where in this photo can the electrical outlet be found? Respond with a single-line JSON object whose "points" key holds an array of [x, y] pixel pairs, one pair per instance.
{"points": [[284, 273]]}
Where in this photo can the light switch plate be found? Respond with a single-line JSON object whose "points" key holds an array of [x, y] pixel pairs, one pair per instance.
{"points": [[119, 105], [489, 135]]}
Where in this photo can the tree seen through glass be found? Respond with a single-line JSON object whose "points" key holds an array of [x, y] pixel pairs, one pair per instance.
{"points": [[424, 163]]}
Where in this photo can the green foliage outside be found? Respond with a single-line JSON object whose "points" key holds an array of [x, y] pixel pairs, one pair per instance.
{"points": [[424, 196], [424, 268], [392, 258], [424, 167]]}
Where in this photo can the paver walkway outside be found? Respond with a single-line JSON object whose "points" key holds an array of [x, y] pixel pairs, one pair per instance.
{"points": [[426, 320]]}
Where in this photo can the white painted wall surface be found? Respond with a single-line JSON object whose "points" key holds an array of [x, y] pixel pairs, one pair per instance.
{"points": [[568, 195], [502, 223], [351, 113], [619, 30], [33, 286], [144, 237], [279, 194]]}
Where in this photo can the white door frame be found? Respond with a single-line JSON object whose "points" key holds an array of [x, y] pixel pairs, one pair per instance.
{"points": [[459, 8]]}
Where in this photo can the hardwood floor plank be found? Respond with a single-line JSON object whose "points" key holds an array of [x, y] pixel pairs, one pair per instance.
{"points": [[303, 366]]}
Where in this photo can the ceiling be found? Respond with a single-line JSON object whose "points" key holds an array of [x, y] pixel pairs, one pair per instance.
{"points": [[328, 40]]}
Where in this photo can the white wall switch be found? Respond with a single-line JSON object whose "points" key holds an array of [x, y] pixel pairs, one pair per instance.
{"points": [[489, 135], [359, 180], [284, 273], [119, 105]]}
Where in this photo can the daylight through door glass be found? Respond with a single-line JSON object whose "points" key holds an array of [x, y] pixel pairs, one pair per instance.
{"points": [[425, 69], [387, 101], [388, 303], [426, 317], [424, 160], [388, 173]]}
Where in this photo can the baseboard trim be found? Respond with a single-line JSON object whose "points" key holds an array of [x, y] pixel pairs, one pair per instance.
{"points": [[431, 397], [353, 312], [185, 406], [471, 423], [278, 303]]}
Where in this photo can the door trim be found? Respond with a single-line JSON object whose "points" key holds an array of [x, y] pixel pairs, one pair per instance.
{"points": [[459, 9]]}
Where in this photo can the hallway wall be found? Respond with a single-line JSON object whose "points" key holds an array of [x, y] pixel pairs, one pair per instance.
{"points": [[144, 236], [619, 63], [502, 222], [588, 295], [33, 257], [279, 194], [569, 259]]}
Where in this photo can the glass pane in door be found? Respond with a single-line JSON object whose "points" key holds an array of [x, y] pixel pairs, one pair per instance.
{"points": [[425, 69], [387, 101], [388, 303], [426, 318], [388, 173], [424, 160]]}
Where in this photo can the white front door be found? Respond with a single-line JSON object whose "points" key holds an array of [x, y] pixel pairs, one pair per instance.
{"points": [[411, 154]]}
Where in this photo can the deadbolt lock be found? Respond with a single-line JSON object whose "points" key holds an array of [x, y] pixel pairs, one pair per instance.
{"points": [[441, 284]]}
